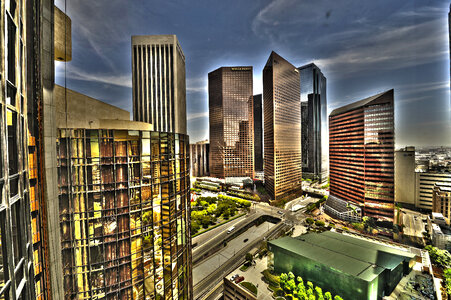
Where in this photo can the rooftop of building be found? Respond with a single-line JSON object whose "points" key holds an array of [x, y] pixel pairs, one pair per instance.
{"points": [[76, 110], [357, 257], [364, 102], [443, 186]]}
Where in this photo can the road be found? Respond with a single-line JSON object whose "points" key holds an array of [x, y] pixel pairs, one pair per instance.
{"points": [[204, 285]]}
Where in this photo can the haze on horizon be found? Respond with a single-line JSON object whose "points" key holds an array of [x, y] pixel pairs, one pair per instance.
{"points": [[362, 47]]}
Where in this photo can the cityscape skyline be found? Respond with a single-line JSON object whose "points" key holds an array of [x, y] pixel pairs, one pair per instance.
{"points": [[415, 64]]}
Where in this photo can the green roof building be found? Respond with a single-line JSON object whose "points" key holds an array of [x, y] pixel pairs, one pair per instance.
{"points": [[351, 267]]}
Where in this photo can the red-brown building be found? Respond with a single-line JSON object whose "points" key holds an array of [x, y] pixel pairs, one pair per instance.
{"points": [[361, 149]]}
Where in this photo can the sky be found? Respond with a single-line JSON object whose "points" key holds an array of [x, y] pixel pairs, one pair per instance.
{"points": [[363, 47]]}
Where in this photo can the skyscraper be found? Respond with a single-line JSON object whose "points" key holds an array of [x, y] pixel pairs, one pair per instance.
{"points": [[361, 151], [314, 123], [230, 96], [199, 159], [159, 86], [282, 115], [258, 133], [123, 204]]}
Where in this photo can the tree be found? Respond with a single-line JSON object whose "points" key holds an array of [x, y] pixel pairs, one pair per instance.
{"points": [[319, 293], [447, 279], [290, 285], [327, 296], [249, 257], [309, 221], [337, 297], [283, 279], [310, 285], [291, 275]]}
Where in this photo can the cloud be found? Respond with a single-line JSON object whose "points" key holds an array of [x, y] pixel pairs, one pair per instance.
{"points": [[196, 85], [75, 73], [389, 49], [199, 115]]}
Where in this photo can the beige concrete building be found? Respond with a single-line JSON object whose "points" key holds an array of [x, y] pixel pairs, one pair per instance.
{"points": [[159, 86], [441, 199], [424, 186], [405, 190]]}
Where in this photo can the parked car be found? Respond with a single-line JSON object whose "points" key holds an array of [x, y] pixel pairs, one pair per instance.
{"points": [[239, 279], [231, 229], [280, 212], [233, 277]]}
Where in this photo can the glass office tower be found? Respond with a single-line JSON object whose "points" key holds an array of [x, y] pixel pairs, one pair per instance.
{"points": [[361, 139], [282, 115], [258, 132], [315, 162], [230, 99], [124, 211]]}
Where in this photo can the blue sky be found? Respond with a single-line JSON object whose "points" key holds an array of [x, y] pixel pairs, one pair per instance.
{"points": [[363, 47]]}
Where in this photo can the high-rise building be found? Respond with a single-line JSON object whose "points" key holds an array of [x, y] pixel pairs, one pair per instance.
{"points": [[230, 96], [314, 123], [405, 176], [199, 159], [361, 151], [28, 265], [258, 132], [123, 204], [282, 138], [449, 40], [159, 86]]}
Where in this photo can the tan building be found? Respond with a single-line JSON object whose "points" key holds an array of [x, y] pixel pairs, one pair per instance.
{"points": [[234, 291], [230, 100], [405, 176], [282, 128], [159, 85], [424, 186], [199, 159], [441, 199]]}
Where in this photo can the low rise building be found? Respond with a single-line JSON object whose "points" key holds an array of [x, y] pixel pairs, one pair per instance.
{"points": [[439, 231], [352, 267], [441, 199]]}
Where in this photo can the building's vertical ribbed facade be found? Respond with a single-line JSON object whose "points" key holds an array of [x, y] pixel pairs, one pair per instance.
{"points": [[424, 186], [282, 123], [258, 132], [230, 95], [361, 152], [314, 123], [199, 159], [159, 85], [441, 199]]}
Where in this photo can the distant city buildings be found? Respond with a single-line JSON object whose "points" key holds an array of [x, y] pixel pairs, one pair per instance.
{"points": [[282, 133], [361, 152], [159, 86], [314, 123], [199, 159], [124, 204], [230, 96], [258, 133]]}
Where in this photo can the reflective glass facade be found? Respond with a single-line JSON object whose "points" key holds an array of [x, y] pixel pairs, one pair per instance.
{"points": [[230, 99], [315, 151], [124, 213], [258, 132], [282, 115], [18, 205], [361, 140]]}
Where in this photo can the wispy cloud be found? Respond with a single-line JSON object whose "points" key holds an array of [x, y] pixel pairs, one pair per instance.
{"points": [[194, 116], [195, 85], [75, 73]]}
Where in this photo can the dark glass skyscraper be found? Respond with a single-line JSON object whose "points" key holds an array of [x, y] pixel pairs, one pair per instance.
{"points": [[362, 155], [314, 123], [282, 115], [230, 99], [258, 133]]}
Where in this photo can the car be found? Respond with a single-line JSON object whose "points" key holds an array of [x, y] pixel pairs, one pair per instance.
{"points": [[231, 229], [280, 212], [239, 279], [233, 277]]}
